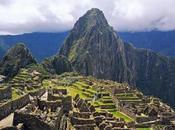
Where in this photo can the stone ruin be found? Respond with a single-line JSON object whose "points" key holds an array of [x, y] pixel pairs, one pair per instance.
{"points": [[84, 117], [27, 80], [5, 92], [146, 111], [58, 111], [2, 78], [44, 114], [34, 117]]}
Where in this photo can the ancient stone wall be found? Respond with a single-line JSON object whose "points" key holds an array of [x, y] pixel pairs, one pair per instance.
{"points": [[20, 102], [81, 114], [53, 105], [60, 114], [11, 106], [9, 128], [5, 110], [124, 110], [5, 93], [81, 121], [145, 119], [34, 121], [31, 122], [58, 91], [52, 97], [67, 103], [37, 93]]}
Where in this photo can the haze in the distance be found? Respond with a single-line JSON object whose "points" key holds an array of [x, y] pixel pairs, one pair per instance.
{"points": [[22, 16]]}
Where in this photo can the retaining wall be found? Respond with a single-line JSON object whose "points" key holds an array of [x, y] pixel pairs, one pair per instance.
{"points": [[11, 106]]}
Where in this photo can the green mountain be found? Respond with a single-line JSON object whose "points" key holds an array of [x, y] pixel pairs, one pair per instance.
{"points": [[93, 48], [16, 58], [57, 65]]}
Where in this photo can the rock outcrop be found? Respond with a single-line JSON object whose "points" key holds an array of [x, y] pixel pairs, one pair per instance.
{"points": [[16, 58], [93, 48], [57, 64]]}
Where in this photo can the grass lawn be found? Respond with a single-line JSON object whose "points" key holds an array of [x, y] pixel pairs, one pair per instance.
{"points": [[73, 92], [15, 94], [122, 115], [144, 129]]}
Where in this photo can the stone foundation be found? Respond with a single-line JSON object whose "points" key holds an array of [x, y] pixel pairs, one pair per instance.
{"points": [[11, 106], [53, 105], [5, 93]]}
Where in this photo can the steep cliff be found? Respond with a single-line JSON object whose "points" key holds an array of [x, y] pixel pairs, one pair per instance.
{"points": [[153, 73], [93, 48]]}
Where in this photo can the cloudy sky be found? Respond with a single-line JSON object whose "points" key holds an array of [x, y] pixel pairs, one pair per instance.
{"points": [[21, 16]]}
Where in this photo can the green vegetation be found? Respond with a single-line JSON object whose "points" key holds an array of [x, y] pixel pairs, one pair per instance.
{"points": [[128, 97], [122, 115], [144, 129], [16, 58], [16, 93], [57, 64], [101, 99]]}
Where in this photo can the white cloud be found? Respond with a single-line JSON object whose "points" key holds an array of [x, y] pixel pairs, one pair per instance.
{"points": [[19, 16]]}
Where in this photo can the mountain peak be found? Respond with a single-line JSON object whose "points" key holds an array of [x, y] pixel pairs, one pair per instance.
{"points": [[95, 13], [16, 58], [18, 48], [90, 45], [91, 19]]}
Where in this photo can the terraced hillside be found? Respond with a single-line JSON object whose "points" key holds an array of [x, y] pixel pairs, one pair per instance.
{"points": [[87, 102], [121, 100]]}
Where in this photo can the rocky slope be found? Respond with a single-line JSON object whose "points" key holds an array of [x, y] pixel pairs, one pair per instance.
{"points": [[16, 58], [93, 48], [57, 64]]}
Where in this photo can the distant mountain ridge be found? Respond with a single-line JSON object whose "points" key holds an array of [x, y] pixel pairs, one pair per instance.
{"points": [[162, 42], [42, 45]]}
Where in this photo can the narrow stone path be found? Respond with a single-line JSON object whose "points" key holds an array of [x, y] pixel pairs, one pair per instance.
{"points": [[8, 121]]}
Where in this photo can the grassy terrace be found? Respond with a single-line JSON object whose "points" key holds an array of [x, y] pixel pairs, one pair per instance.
{"points": [[16, 93], [102, 103], [122, 115], [24, 75], [144, 129], [73, 90], [128, 97]]}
